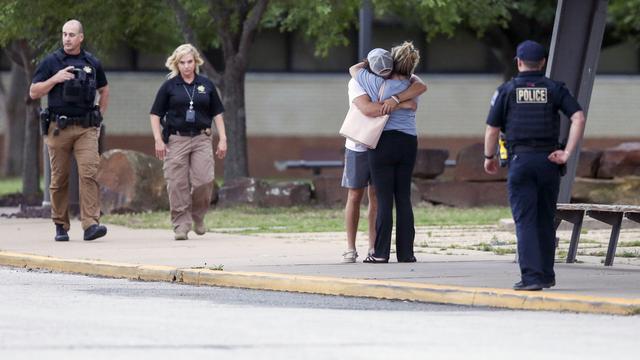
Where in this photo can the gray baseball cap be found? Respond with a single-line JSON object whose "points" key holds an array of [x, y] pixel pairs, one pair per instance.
{"points": [[380, 61]]}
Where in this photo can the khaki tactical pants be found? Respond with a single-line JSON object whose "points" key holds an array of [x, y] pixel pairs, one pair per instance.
{"points": [[83, 144], [189, 171]]}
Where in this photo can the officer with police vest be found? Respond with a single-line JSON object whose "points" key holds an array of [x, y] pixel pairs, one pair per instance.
{"points": [[526, 110], [71, 77]]}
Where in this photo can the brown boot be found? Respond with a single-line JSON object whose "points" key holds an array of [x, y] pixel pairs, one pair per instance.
{"points": [[200, 228], [181, 233]]}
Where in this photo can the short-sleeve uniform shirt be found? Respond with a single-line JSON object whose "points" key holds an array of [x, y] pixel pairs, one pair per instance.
{"points": [[562, 99], [172, 103], [51, 64]]}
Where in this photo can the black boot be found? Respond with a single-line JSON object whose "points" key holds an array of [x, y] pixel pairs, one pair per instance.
{"points": [[95, 231], [61, 233]]}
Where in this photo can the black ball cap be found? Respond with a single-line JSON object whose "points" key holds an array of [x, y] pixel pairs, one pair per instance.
{"points": [[530, 50]]}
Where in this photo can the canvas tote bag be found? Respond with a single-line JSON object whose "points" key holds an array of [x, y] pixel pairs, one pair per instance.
{"points": [[361, 128]]}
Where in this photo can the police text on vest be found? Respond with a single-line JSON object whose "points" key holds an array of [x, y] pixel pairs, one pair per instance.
{"points": [[531, 95]]}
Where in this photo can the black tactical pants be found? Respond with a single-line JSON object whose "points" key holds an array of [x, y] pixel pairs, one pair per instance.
{"points": [[392, 163], [533, 185]]}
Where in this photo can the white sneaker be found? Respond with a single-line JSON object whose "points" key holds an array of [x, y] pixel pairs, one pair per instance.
{"points": [[350, 256]]}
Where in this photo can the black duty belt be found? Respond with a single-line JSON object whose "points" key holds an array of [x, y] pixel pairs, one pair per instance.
{"points": [[71, 120], [191, 132], [528, 148]]}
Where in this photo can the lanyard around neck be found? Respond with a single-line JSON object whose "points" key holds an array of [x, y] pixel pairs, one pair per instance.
{"points": [[193, 92]]}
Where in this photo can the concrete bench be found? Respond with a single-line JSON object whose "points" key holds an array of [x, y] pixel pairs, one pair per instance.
{"points": [[609, 214]]}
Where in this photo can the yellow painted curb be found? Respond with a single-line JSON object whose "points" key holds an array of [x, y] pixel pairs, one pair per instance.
{"points": [[89, 267], [394, 290], [397, 290]]}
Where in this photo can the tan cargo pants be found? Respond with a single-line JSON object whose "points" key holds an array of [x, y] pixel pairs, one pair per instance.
{"points": [[83, 144], [189, 171]]}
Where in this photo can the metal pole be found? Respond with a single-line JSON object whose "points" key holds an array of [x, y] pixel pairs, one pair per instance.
{"points": [[573, 59], [364, 34]]}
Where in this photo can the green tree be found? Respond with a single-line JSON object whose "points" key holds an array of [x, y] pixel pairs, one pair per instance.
{"points": [[234, 25], [29, 29], [326, 22]]}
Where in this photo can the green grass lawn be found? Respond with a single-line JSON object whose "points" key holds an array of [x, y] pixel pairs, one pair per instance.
{"points": [[10, 186], [307, 219]]}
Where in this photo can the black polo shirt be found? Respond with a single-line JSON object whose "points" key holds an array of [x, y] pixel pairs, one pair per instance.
{"points": [[50, 65], [172, 101]]}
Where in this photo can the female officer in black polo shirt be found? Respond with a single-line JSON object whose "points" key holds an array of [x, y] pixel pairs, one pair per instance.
{"points": [[188, 102]]}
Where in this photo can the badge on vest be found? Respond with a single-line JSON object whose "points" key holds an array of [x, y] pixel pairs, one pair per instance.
{"points": [[531, 95]]}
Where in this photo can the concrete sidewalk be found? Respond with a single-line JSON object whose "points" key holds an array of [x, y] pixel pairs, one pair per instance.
{"points": [[305, 258]]}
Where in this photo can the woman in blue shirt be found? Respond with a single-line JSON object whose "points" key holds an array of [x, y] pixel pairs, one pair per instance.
{"points": [[394, 157]]}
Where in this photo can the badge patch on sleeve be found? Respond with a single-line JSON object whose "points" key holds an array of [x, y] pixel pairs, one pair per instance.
{"points": [[531, 95]]}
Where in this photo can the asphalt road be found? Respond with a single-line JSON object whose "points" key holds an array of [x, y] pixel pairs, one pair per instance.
{"points": [[58, 316]]}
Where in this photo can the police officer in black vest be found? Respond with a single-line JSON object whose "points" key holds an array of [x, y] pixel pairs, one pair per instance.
{"points": [[526, 110], [71, 77]]}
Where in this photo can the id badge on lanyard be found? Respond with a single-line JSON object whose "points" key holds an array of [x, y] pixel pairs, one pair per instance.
{"points": [[190, 116]]}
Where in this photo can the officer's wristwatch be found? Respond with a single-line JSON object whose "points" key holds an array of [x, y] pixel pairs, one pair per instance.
{"points": [[489, 157]]}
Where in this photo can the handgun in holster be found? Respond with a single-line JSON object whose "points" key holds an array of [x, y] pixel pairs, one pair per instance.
{"points": [[503, 153], [165, 131], [45, 121], [95, 117]]}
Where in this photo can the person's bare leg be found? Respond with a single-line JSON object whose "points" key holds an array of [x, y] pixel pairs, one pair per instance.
{"points": [[352, 216], [372, 210]]}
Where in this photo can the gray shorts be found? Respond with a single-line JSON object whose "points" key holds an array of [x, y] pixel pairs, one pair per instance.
{"points": [[356, 174]]}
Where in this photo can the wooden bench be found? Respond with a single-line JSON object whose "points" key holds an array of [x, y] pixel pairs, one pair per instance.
{"points": [[609, 214]]}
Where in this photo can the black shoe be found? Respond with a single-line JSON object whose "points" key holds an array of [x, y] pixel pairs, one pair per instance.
{"points": [[61, 233], [95, 231], [529, 287], [549, 284], [374, 260], [410, 259]]}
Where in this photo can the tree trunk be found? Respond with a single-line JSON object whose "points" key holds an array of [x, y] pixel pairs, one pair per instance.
{"points": [[31, 163], [235, 119], [30, 154], [15, 124]]}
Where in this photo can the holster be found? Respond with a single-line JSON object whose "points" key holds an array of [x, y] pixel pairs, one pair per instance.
{"points": [[95, 117], [166, 130], [45, 121]]}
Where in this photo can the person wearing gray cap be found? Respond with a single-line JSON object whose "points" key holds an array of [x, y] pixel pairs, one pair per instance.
{"points": [[526, 110], [392, 161], [357, 175]]}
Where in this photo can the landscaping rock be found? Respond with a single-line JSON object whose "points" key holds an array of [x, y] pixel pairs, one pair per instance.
{"points": [[621, 191], [257, 192], [621, 160], [470, 165], [588, 163], [430, 163], [287, 194], [131, 181], [464, 194], [242, 191], [327, 190]]}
